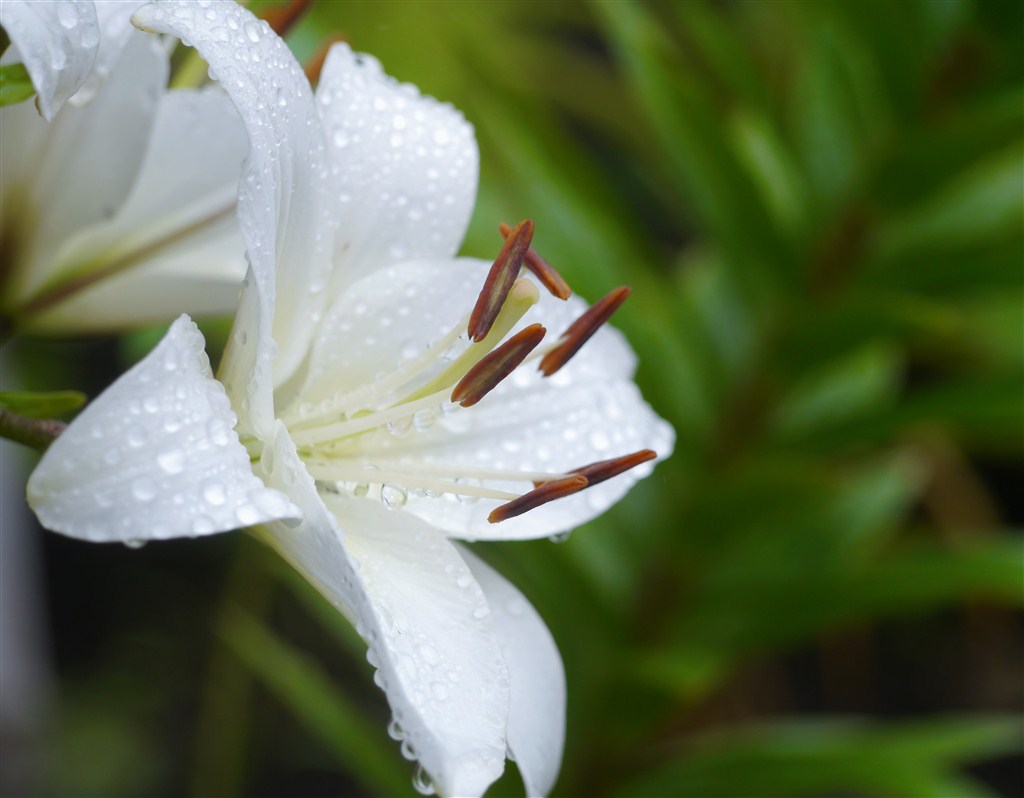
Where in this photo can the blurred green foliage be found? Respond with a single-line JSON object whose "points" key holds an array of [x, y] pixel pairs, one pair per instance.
{"points": [[820, 207]]}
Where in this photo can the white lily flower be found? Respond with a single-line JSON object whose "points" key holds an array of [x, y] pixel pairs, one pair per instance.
{"points": [[117, 197], [352, 461]]}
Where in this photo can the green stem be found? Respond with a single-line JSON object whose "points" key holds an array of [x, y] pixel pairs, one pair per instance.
{"points": [[32, 432]]}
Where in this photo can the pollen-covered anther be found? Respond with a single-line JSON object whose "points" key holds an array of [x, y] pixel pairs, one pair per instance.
{"points": [[499, 280], [284, 16], [547, 492], [542, 270], [579, 332], [496, 366], [606, 469]]}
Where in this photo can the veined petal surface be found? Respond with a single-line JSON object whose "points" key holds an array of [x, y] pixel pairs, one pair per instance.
{"points": [[536, 722], [281, 202], [53, 189], [175, 242], [404, 167], [154, 456], [57, 42]]}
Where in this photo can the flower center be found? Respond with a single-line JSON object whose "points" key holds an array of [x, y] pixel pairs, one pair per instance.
{"points": [[340, 438]]}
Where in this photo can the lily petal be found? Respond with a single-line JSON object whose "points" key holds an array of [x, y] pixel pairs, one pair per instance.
{"points": [[154, 456], [590, 410], [114, 18], [56, 42], [424, 617], [281, 204], [404, 167], [54, 187], [175, 242], [536, 721]]}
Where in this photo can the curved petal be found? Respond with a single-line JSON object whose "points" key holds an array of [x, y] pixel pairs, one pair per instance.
{"points": [[114, 19], [175, 243], [56, 42], [404, 167], [588, 411], [281, 207], [398, 311], [155, 456], [424, 617], [536, 721], [77, 170]]}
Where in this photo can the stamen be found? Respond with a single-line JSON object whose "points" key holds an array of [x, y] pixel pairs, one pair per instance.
{"points": [[283, 18], [606, 469], [547, 492], [364, 423], [315, 65], [500, 280], [361, 475], [542, 270], [521, 298], [579, 332], [496, 366]]}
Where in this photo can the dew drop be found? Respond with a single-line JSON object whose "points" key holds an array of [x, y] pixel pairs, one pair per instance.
{"points": [[394, 497], [247, 515], [395, 730], [135, 543], [214, 494], [421, 782], [172, 462]]}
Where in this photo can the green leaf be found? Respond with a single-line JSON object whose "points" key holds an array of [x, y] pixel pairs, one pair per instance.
{"points": [[847, 387], [982, 202], [328, 714], [833, 756], [38, 404], [15, 84]]}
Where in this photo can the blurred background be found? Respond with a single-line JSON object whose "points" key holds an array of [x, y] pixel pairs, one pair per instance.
{"points": [[820, 208]]}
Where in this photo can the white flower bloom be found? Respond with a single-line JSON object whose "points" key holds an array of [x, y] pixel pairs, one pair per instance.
{"points": [[119, 203], [349, 458]]}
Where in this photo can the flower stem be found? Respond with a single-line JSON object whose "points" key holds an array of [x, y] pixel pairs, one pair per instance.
{"points": [[33, 432]]}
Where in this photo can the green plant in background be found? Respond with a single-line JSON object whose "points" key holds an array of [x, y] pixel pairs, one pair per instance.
{"points": [[820, 208]]}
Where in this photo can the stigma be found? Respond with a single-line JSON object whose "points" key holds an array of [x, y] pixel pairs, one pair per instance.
{"points": [[373, 440]]}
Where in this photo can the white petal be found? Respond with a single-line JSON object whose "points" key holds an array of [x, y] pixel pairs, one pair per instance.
{"points": [[588, 411], [423, 615], [57, 43], [404, 167], [114, 18], [387, 316], [77, 170], [536, 722], [175, 244], [155, 456], [281, 204]]}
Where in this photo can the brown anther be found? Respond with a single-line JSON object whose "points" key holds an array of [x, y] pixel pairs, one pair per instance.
{"points": [[579, 332], [542, 270], [499, 280], [314, 66], [606, 469], [547, 492], [282, 18], [496, 366]]}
